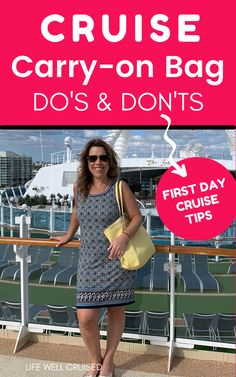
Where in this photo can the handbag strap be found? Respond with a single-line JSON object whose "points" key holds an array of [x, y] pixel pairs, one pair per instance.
{"points": [[119, 199], [117, 196]]}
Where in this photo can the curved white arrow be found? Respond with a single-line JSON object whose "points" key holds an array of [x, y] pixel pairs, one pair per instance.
{"points": [[180, 170]]}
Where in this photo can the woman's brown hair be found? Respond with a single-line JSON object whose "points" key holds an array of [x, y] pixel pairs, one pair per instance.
{"points": [[84, 176]]}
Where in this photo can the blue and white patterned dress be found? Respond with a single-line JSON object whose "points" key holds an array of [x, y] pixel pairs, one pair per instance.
{"points": [[101, 282]]}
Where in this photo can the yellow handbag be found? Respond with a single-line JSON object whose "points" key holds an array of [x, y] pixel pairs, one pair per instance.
{"points": [[139, 248]]}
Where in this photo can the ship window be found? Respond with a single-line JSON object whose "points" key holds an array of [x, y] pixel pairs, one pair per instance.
{"points": [[69, 178]]}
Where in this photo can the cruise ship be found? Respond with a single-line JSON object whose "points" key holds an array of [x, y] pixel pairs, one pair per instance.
{"points": [[142, 171]]}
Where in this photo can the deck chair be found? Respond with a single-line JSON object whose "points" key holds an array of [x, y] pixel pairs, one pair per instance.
{"points": [[14, 270], [224, 327], [160, 277], [7, 255], [156, 323], [200, 325], [2, 312], [144, 276], [34, 311], [74, 311], [232, 268], [134, 321], [190, 280], [202, 271], [3, 250], [2, 315], [67, 275], [60, 315], [13, 310], [41, 256], [62, 264]]}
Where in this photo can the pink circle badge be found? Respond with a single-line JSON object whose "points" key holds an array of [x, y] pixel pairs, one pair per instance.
{"points": [[200, 205]]}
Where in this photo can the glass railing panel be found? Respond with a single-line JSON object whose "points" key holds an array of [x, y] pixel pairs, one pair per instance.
{"points": [[40, 219], [6, 215], [205, 298], [17, 191], [55, 315], [17, 212], [62, 220]]}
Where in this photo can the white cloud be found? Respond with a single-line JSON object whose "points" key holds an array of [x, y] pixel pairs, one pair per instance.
{"points": [[90, 134], [135, 138], [34, 139]]}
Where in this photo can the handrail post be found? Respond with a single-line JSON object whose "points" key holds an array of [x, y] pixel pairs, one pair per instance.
{"points": [[217, 245], [52, 220], [172, 303], [148, 214], [1, 209], [11, 219], [21, 255]]}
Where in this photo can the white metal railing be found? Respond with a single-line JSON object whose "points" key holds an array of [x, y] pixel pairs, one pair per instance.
{"points": [[162, 152], [24, 328]]}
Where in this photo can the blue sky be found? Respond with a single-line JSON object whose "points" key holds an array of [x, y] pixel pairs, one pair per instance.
{"points": [[214, 142]]}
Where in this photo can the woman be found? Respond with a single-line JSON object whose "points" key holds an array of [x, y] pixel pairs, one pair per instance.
{"points": [[101, 282]]}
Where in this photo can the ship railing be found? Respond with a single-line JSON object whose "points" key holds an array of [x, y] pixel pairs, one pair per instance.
{"points": [[49, 221], [21, 245], [163, 152]]}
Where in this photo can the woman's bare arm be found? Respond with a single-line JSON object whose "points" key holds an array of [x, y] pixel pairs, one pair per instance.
{"points": [[131, 209]]}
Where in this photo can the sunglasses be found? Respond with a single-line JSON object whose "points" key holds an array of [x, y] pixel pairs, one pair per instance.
{"points": [[102, 157]]}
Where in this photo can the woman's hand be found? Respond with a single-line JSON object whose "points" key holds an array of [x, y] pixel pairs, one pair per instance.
{"points": [[117, 246], [62, 240]]}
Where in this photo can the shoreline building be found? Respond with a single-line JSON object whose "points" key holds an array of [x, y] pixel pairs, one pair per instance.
{"points": [[15, 169]]}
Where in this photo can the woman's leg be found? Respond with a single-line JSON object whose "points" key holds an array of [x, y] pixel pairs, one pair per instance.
{"points": [[88, 323], [115, 328]]}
